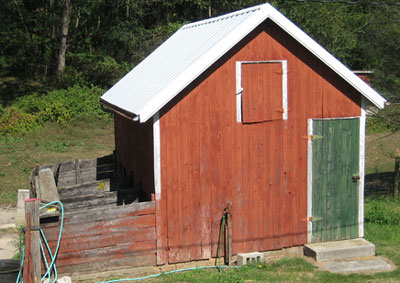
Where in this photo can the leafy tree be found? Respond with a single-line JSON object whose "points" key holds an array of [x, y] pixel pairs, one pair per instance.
{"points": [[106, 38]]}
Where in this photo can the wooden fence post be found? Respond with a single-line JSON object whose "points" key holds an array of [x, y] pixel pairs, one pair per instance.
{"points": [[32, 240]]}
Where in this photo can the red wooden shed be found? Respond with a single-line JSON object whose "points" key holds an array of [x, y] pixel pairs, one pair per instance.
{"points": [[246, 113]]}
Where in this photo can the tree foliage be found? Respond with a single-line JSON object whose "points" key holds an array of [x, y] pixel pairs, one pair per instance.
{"points": [[106, 38]]}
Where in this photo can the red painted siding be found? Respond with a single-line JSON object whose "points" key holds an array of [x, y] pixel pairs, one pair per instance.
{"points": [[209, 161]]}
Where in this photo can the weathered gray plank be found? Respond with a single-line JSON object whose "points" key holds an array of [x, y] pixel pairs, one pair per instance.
{"points": [[112, 264], [89, 163], [118, 225], [104, 240], [107, 253], [107, 212], [90, 200], [67, 166], [96, 187]]}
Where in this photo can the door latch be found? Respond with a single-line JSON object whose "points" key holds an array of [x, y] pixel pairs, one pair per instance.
{"points": [[314, 219]]}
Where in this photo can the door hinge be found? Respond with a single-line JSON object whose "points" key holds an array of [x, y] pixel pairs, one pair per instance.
{"points": [[355, 178], [314, 219], [312, 137]]}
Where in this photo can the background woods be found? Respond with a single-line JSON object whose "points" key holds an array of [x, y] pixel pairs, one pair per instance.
{"points": [[50, 45]]}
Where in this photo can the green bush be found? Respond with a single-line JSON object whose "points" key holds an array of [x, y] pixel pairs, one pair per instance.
{"points": [[61, 106], [14, 121], [384, 210], [376, 125], [384, 120]]}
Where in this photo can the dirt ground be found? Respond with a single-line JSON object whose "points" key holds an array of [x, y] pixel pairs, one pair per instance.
{"points": [[8, 232]]}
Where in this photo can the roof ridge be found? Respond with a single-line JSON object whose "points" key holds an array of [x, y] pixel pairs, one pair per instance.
{"points": [[224, 17]]}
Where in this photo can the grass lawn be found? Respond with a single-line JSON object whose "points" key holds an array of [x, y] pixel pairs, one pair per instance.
{"points": [[94, 138], [18, 155]]}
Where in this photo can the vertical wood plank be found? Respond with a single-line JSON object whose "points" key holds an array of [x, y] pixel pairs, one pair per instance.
{"points": [[259, 186], [317, 193], [194, 176], [268, 199], [27, 274], [205, 168], [247, 189], [172, 187], [344, 183], [238, 217], [184, 190], [217, 181], [227, 121], [33, 238], [278, 176]]}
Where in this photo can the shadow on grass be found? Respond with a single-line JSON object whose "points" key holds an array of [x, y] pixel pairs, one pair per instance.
{"points": [[379, 184]]}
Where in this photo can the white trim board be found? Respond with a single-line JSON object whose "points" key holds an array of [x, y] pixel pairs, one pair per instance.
{"points": [[157, 155], [309, 180], [361, 168], [239, 87]]}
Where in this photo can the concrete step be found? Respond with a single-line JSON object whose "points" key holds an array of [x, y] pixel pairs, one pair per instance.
{"points": [[362, 265], [339, 249]]}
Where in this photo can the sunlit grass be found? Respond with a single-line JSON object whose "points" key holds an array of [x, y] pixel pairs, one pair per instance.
{"points": [[79, 140]]}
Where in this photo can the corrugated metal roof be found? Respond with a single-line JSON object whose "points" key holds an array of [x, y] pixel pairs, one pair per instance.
{"points": [[194, 48]]}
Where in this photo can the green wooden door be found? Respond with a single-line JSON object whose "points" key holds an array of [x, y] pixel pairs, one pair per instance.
{"points": [[335, 171]]}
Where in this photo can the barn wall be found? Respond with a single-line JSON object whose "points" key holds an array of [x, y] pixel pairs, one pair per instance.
{"points": [[210, 162], [134, 151]]}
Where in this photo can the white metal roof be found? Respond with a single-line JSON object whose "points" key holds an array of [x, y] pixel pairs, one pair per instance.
{"points": [[194, 48]]}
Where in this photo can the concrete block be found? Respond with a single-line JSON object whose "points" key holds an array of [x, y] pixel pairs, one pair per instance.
{"points": [[358, 266], [339, 249], [20, 219], [243, 259]]}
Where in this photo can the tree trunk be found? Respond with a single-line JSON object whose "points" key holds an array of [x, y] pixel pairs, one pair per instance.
{"points": [[64, 35]]}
